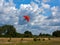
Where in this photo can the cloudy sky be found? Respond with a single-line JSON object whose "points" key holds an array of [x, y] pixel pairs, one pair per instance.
{"points": [[44, 15]]}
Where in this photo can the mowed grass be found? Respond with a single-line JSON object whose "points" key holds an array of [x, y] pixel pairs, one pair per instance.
{"points": [[29, 41]]}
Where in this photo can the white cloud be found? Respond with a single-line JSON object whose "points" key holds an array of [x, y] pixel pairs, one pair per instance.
{"points": [[46, 1], [54, 10], [34, 6], [38, 21], [45, 5], [38, 1], [27, 7]]}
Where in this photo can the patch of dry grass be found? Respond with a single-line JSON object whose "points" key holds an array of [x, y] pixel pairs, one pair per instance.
{"points": [[29, 41]]}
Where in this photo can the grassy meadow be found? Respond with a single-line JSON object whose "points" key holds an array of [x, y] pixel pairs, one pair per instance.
{"points": [[30, 41]]}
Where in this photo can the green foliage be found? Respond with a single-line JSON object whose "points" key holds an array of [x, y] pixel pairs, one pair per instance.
{"points": [[56, 33], [35, 39], [21, 39], [44, 35], [39, 39], [49, 39], [43, 39], [10, 31], [27, 34]]}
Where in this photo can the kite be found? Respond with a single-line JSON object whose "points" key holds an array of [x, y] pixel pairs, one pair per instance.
{"points": [[27, 18]]}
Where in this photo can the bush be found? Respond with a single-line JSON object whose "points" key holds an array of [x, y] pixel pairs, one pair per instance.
{"points": [[38, 39], [56, 33], [9, 40], [35, 39], [21, 39], [49, 39], [43, 39]]}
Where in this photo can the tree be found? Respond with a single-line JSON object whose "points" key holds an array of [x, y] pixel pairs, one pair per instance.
{"points": [[10, 31], [2, 31], [27, 34], [44, 35], [56, 33], [19, 35], [40, 34]]}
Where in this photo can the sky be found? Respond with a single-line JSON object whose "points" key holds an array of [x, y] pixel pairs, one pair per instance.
{"points": [[44, 15]]}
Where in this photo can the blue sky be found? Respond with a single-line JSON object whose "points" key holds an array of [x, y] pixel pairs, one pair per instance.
{"points": [[18, 2], [52, 2], [44, 15]]}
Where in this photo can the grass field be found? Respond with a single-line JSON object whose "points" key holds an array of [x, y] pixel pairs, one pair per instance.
{"points": [[29, 41]]}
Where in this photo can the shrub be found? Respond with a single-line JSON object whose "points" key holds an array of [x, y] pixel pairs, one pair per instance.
{"points": [[21, 39], [9, 40], [43, 39], [38, 39], [35, 39], [49, 39]]}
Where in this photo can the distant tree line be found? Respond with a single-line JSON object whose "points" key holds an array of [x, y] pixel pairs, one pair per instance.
{"points": [[10, 31], [56, 33]]}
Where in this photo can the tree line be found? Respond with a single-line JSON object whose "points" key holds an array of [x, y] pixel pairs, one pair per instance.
{"points": [[10, 31]]}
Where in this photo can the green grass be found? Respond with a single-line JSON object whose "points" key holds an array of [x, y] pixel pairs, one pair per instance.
{"points": [[36, 43], [41, 42]]}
